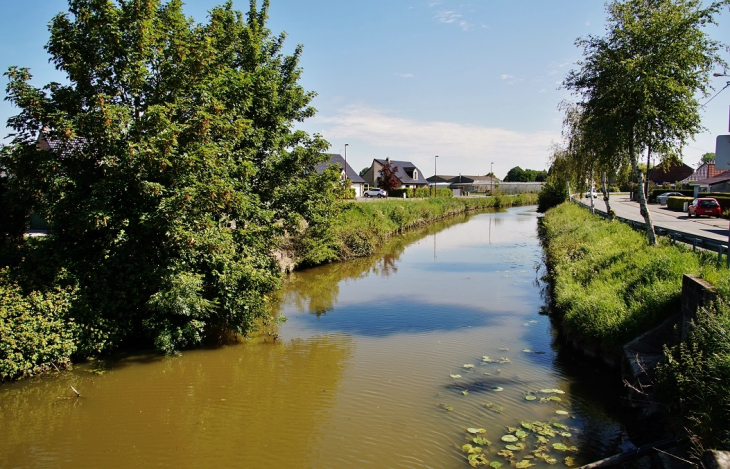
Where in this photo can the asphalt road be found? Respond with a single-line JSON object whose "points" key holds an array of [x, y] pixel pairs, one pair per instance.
{"points": [[715, 228]]}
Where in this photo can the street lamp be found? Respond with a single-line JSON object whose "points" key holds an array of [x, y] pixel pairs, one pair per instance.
{"points": [[435, 177], [491, 171], [346, 145]]}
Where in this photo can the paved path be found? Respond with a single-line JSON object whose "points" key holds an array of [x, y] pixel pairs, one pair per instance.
{"points": [[714, 228]]}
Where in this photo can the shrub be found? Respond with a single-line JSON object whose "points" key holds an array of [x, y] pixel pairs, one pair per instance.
{"points": [[553, 193], [694, 379], [35, 329]]}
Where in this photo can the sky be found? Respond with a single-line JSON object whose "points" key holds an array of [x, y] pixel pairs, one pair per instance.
{"points": [[477, 84]]}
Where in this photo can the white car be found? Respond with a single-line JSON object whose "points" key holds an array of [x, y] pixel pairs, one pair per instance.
{"points": [[375, 192], [662, 198], [593, 194]]}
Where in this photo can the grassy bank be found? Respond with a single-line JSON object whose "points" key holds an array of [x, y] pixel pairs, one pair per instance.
{"points": [[609, 286], [361, 227]]}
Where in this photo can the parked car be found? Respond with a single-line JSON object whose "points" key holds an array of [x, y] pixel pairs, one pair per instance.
{"points": [[662, 198], [593, 194], [704, 206], [375, 192]]}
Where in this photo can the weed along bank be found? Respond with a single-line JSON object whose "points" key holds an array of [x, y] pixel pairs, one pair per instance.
{"points": [[659, 312]]}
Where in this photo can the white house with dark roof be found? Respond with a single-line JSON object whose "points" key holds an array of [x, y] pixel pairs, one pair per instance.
{"points": [[407, 173], [346, 171]]}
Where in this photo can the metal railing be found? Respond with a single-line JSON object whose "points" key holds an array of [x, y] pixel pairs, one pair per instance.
{"points": [[696, 241]]}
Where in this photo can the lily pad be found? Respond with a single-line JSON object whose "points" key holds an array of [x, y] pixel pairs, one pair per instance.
{"points": [[530, 397], [480, 440], [561, 412], [551, 461], [550, 391], [505, 453], [509, 438], [512, 447], [465, 392], [555, 399], [455, 376], [468, 366], [497, 389], [560, 425], [495, 464], [569, 461], [524, 464], [566, 434], [520, 434], [527, 425], [503, 360], [559, 447]]}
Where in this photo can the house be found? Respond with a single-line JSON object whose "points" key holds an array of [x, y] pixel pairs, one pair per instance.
{"points": [[407, 173], [464, 184], [705, 171], [718, 183], [346, 170], [674, 172]]}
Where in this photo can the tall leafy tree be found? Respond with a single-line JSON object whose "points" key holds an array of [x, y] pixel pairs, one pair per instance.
{"points": [[640, 83], [173, 166]]}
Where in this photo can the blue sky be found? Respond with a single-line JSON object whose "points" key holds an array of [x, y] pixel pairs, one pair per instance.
{"points": [[475, 83]]}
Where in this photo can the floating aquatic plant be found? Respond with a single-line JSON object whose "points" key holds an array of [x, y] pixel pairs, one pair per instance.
{"points": [[524, 464], [468, 366], [455, 376], [509, 439], [530, 397], [476, 430], [497, 389]]}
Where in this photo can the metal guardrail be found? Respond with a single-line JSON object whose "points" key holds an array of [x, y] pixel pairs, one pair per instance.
{"points": [[696, 241]]}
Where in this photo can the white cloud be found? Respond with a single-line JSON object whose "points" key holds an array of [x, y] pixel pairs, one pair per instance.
{"points": [[404, 75], [465, 148], [506, 76], [446, 16]]}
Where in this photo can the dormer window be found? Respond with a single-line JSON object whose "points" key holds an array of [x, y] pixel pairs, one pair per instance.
{"points": [[415, 174]]}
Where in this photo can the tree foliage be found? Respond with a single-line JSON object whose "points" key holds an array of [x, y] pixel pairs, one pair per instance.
{"points": [[640, 82], [388, 179], [173, 167], [518, 174]]}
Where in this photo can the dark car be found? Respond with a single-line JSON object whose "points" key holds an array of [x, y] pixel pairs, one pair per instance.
{"points": [[704, 206], [375, 192]]}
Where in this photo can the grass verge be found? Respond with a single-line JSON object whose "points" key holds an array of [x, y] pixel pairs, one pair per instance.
{"points": [[610, 286]]}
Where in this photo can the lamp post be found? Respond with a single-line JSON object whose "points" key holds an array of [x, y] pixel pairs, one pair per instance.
{"points": [[435, 177], [491, 171], [346, 145]]}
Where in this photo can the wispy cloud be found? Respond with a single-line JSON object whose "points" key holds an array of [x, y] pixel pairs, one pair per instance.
{"points": [[447, 16], [404, 75], [505, 76], [466, 148]]}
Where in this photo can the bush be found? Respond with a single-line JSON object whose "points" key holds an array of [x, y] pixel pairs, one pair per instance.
{"points": [[694, 379], [677, 203], [35, 329], [553, 193]]}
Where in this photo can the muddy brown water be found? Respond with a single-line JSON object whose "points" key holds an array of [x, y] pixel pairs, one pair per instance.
{"points": [[362, 374]]}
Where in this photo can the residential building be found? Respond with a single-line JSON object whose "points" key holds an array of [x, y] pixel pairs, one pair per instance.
{"points": [[407, 173], [346, 171]]}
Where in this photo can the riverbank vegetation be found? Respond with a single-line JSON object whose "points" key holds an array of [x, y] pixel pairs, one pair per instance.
{"points": [[610, 286], [361, 227]]}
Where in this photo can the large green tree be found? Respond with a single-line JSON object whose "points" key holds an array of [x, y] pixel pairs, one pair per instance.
{"points": [[640, 83], [173, 166]]}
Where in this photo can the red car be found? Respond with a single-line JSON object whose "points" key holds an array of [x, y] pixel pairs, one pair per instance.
{"points": [[704, 206]]}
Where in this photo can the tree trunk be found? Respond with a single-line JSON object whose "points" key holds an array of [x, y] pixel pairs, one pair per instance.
{"points": [[590, 192], [648, 167], [604, 183], [642, 199]]}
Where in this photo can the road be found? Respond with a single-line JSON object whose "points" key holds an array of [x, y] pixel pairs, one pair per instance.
{"points": [[714, 228]]}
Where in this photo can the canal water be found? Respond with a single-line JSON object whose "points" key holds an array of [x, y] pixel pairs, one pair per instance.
{"points": [[397, 360]]}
